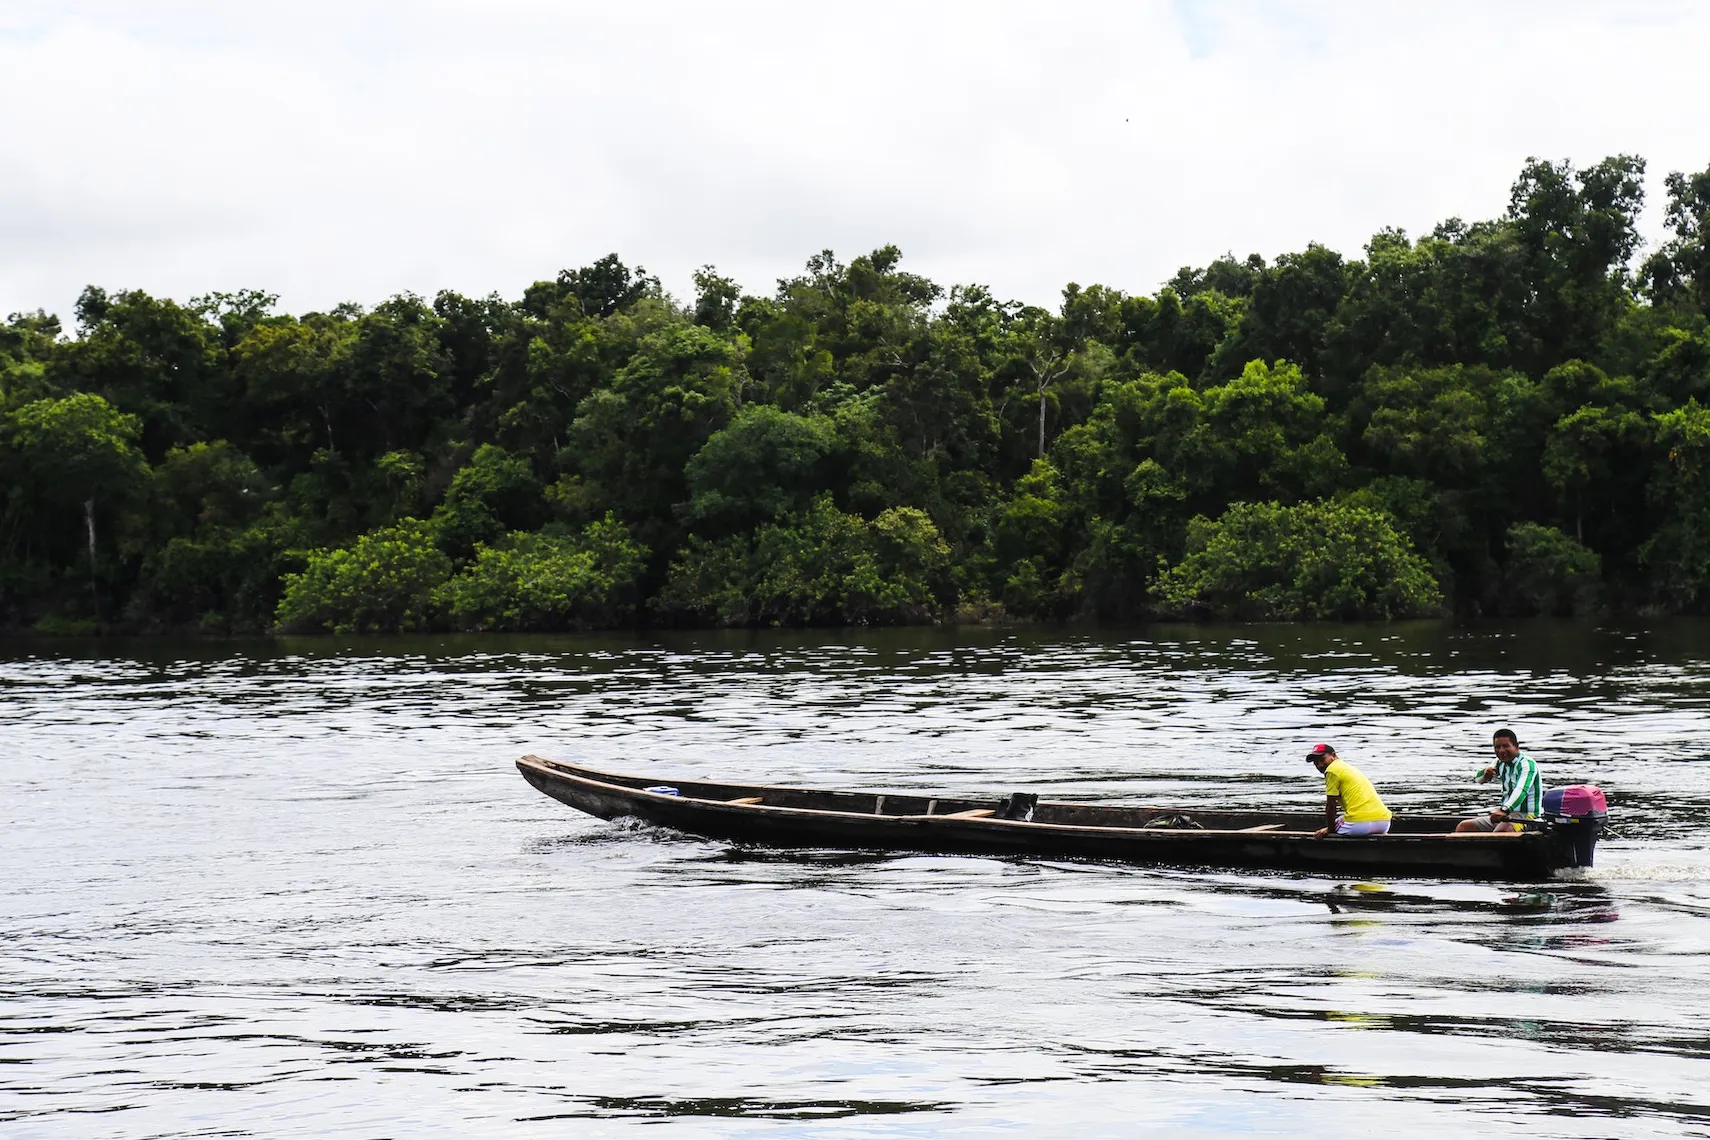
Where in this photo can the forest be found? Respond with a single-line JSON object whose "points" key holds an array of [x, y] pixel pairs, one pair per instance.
{"points": [[1497, 418]]}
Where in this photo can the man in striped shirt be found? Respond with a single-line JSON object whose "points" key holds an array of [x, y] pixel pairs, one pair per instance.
{"points": [[1522, 789]]}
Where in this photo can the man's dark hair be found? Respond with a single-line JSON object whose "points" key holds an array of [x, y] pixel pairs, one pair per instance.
{"points": [[1506, 732]]}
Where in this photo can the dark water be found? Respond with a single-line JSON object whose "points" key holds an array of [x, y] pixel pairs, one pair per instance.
{"points": [[298, 889]]}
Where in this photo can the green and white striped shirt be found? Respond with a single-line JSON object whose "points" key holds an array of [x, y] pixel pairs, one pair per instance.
{"points": [[1522, 788]]}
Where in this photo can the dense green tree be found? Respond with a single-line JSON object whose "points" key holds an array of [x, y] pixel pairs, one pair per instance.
{"points": [[607, 285], [493, 494], [237, 314], [1172, 334], [396, 378], [209, 484], [1678, 553], [1031, 539], [817, 567], [1548, 572], [716, 299], [472, 332], [1678, 274], [1263, 433], [1679, 369], [1590, 457], [27, 343], [386, 582], [66, 463], [221, 579], [633, 440], [1288, 311], [156, 360], [1310, 560], [543, 581], [288, 374], [1429, 423], [765, 464], [1577, 232], [1226, 275]]}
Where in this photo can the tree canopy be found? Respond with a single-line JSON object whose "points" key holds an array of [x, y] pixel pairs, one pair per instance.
{"points": [[1505, 416]]}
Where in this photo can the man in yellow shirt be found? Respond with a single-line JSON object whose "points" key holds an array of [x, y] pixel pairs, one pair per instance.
{"points": [[1351, 804]]}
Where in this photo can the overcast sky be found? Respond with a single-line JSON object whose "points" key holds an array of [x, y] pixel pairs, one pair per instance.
{"points": [[349, 151]]}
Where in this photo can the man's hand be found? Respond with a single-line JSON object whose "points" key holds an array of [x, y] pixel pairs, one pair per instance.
{"points": [[1498, 814], [1487, 775], [1321, 833]]}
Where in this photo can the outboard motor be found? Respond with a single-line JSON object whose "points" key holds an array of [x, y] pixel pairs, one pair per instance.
{"points": [[1576, 815]]}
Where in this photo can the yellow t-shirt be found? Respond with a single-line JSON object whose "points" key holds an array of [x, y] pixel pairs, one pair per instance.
{"points": [[1360, 803]]}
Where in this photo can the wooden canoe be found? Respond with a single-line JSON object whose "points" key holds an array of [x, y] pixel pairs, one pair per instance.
{"points": [[804, 817]]}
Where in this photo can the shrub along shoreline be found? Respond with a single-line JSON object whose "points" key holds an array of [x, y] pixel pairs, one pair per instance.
{"points": [[1506, 417]]}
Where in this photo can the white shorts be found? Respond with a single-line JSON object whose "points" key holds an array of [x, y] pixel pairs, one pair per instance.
{"points": [[1375, 827]]}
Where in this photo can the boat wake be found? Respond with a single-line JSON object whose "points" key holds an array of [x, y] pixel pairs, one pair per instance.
{"points": [[623, 830], [1639, 865]]}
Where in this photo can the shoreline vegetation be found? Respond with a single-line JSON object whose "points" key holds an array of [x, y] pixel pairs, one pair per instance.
{"points": [[1499, 418]]}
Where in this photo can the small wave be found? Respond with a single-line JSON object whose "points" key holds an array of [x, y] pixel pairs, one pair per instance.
{"points": [[622, 830], [1673, 866]]}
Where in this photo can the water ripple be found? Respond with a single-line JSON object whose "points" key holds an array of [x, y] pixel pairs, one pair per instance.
{"points": [[295, 888]]}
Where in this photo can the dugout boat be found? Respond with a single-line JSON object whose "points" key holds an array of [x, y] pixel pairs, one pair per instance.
{"points": [[1023, 824]]}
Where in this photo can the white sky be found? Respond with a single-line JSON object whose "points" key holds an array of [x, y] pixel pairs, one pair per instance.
{"points": [[348, 151]]}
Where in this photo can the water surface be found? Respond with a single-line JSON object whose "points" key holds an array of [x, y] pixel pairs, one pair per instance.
{"points": [[296, 888]]}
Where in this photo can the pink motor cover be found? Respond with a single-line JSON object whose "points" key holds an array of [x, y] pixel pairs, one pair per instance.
{"points": [[1583, 799]]}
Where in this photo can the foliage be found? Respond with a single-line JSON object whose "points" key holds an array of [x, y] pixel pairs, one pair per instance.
{"points": [[1679, 273], [494, 493], [68, 466], [1549, 572], [816, 567], [1269, 562], [632, 440], [1678, 553], [385, 582], [765, 464], [221, 579], [545, 581], [217, 542], [1030, 535], [64, 452]]}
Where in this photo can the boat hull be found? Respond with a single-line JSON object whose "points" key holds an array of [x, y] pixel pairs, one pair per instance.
{"points": [[1270, 840]]}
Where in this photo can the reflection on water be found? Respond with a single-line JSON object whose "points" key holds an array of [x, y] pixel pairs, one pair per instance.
{"points": [[295, 888]]}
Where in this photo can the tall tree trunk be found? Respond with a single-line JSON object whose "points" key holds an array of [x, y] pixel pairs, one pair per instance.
{"points": [[1042, 386], [94, 586], [1046, 375]]}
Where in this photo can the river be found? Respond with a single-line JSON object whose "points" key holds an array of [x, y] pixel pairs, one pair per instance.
{"points": [[296, 888]]}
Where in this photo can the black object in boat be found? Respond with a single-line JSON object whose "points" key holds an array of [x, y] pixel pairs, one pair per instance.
{"points": [[1576, 815]]}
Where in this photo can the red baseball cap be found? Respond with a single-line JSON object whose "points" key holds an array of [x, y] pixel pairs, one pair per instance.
{"points": [[1320, 750]]}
